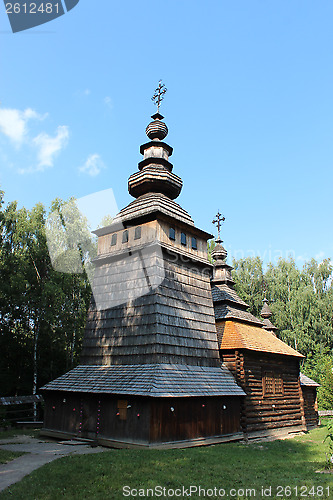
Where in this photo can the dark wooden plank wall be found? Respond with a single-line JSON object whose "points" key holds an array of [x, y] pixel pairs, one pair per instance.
{"points": [[193, 418], [310, 406], [135, 428], [92, 415], [62, 412], [147, 419], [266, 412]]}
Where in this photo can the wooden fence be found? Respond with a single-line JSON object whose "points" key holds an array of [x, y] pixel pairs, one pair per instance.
{"points": [[325, 413], [21, 410]]}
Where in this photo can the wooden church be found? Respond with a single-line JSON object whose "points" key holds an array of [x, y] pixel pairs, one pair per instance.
{"points": [[150, 371], [171, 357]]}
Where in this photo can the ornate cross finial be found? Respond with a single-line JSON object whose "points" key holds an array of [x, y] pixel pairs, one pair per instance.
{"points": [[159, 94], [264, 289], [218, 222]]}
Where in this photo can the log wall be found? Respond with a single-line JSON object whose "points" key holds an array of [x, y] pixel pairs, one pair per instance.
{"points": [[260, 411]]}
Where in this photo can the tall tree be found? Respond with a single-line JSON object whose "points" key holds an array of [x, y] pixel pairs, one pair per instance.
{"points": [[249, 281], [42, 310]]}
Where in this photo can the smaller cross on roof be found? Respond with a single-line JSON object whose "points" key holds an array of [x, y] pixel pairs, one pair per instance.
{"points": [[159, 94], [218, 222]]}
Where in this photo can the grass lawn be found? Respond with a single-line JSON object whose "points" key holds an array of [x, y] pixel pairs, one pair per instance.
{"points": [[10, 433], [7, 456], [232, 467]]}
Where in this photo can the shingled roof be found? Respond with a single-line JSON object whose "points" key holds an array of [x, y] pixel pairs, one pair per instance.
{"points": [[155, 380], [226, 311], [232, 335], [150, 203], [225, 293], [307, 381]]}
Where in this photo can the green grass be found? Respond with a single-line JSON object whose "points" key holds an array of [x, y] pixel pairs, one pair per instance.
{"points": [[7, 456], [102, 476], [10, 433]]}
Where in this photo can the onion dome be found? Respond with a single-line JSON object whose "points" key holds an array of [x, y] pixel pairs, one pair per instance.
{"points": [[221, 270], [266, 313], [219, 253], [155, 171], [157, 130]]}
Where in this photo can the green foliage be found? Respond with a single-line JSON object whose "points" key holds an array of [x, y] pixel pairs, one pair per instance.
{"points": [[249, 279], [106, 221], [329, 439], [42, 311], [210, 247], [325, 392]]}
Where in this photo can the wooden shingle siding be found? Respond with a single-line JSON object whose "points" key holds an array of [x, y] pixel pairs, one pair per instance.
{"points": [[172, 323]]}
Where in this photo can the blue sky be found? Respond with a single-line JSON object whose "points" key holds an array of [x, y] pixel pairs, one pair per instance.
{"points": [[249, 109]]}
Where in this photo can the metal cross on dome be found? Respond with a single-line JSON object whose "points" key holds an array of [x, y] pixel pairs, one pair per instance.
{"points": [[159, 94], [218, 222]]}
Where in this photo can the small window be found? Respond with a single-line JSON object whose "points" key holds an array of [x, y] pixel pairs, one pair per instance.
{"points": [[172, 234], [268, 385], [272, 384], [125, 236], [194, 244], [278, 384], [114, 239], [122, 409], [183, 238], [137, 233]]}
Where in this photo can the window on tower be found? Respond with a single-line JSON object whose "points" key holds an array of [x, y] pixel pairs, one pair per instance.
{"points": [[114, 239], [137, 233], [183, 239], [172, 233], [125, 236], [194, 244]]}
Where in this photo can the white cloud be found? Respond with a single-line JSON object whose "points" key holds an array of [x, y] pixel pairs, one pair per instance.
{"points": [[49, 146], [108, 102], [320, 256], [13, 123], [93, 165]]}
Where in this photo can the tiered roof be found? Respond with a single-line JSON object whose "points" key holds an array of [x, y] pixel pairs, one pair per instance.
{"points": [[236, 327], [162, 342]]}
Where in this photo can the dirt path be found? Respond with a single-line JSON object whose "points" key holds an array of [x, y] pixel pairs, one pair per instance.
{"points": [[38, 452]]}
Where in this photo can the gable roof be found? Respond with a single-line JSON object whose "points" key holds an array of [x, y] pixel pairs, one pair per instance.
{"points": [[237, 335], [226, 311], [307, 381], [228, 305], [224, 293]]}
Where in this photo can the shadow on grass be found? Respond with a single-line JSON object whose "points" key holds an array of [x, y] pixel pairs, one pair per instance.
{"points": [[229, 466]]}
